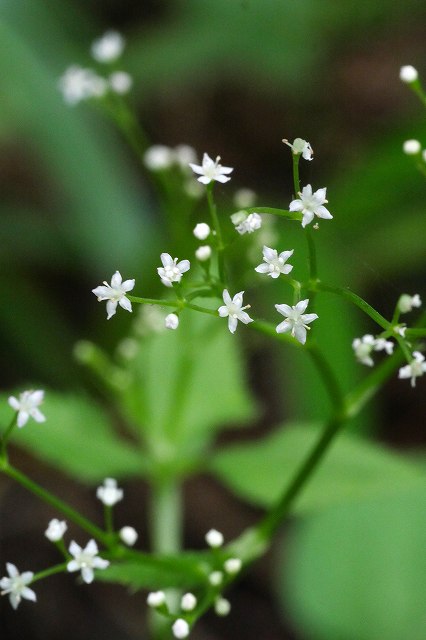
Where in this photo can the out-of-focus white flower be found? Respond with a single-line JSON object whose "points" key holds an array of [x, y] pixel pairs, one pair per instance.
{"points": [[120, 82], [408, 73], [364, 346], [300, 147], [55, 530], [78, 84], [246, 223], [296, 320], [156, 599], [233, 310], [109, 493], [188, 602], [407, 303], [159, 157], [211, 170], [215, 578], [16, 585], [128, 535], [232, 565], [201, 231], [27, 406], [115, 293], [193, 189], [244, 198], [185, 155], [172, 270], [180, 628], [411, 147], [214, 538], [222, 607], [311, 204], [274, 264], [109, 47], [415, 369], [171, 321], [203, 253], [85, 560]]}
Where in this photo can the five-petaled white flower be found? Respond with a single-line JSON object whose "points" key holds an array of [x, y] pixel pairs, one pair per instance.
{"points": [[56, 529], [300, 146], [27, 406], [415, 369], [172, 270], [16, 585], [115, 293], [246, 223], [274, 264], [296, 321], [234, 310], [109, 47], [368, 343], [211, 170], [109, 493], [85, 560], [311, 204]]}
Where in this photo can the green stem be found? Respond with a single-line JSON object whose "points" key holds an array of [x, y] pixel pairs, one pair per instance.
{"points": [[58, 568], [296, 179], [109, 526], [216, 225], [281, 213], [58, 504], [355, 299], [5, 437]]}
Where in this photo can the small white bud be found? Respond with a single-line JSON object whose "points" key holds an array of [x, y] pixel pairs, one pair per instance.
{"points": [[407, 303], [180, 628], [188, 602], [214, 538], [408, 74], [55, 530], [222, 607], [216, 578], [156, 599], [201, 231], [232, 565], [158, 157], [109, 47], [171, 321], [412, 147], [128, 535], [120, 82], [203, 253]]}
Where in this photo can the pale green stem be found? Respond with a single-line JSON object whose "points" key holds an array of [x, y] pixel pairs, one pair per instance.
{"points": [[217, 228], [5, 437]]}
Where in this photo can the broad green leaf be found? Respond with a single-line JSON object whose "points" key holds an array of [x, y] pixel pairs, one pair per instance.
{"points": [[358, 571], [353, 469], [78, 439]]}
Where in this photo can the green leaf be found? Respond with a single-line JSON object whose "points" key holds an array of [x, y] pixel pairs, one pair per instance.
{"points": [[358, 571], [78, 439], [353, 469]]}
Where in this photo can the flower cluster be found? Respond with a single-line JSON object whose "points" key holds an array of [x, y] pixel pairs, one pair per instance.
{"points": [[363, 347]]}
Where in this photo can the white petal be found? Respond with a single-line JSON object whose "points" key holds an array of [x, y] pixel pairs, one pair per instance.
{"points": [[307, 318], [125, 304], [284, 309], [100, 563], [324, 213], [102, 292], [244, 317], [263, 268], [223, 311], [300, 333], [196, 168], [321, 194], [226, 297], [87, 574], [37, 396], [111, 308], [285, 255], [183, 266], [28, 594], [73, 565], [14, 403], [22, 418], [296, 205], [301, 305], [167, 260], [12, 570], [308, 216], [232, 324], [128, 285], [307, 191], [37, 415], [74, 548], [221, 178], [116, 279], [269, 254], [204, 179], [284, 327], [91, 548]]}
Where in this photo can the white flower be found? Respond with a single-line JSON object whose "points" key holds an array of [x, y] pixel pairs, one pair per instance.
{"points": [[109, 47], [244, 198], [158, 157], [55, 530], [211, 170], [171, 321], [16, 585], [296, 321], [188, 602], [180, 628], [115, 293], [216, 578], [234, 311], [311, 204], [203, 253], [222, 606], [246, 223], [85, 560], [201, 231], [232, 565], [411, 147], [172, 270], [120, 82], [184, 155], [156, 599], [109, 493], [300, 146], [27, 406], [128, 535], [407, 303], [408, 74], [365, 345], [415, 369], [274, 264], [78, 84], [214, 538]]}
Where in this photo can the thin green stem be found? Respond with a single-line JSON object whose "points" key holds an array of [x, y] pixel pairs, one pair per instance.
{"points": [[296, 179], [5, 437], [108, 517], [355, 299], [295, 216], [219, 238]]}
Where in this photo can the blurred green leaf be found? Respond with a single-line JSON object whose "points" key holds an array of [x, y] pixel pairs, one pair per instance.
{"points": [[353, 470], [358, 571], [78, 439]]}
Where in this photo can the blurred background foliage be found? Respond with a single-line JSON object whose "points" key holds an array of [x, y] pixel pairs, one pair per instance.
{"points": [[233, 78]]}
